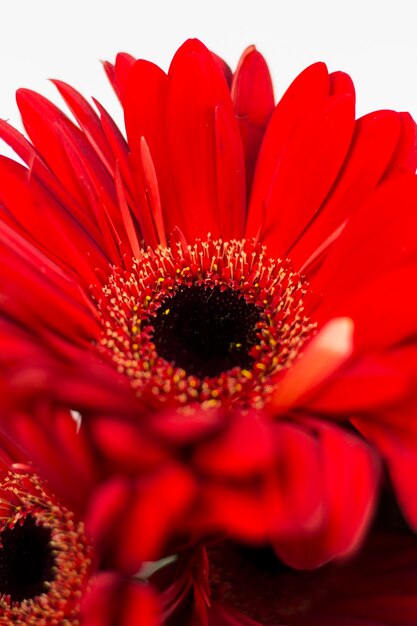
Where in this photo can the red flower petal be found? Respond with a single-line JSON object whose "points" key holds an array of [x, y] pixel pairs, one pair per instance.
{"points": [[119, 72], [144, 119], [88, 120], [244, 449], [106, 508], [271, 496], [56, 300], [22, 196], [157, 503], [197, 89], [144, 115], [398, 446], [341, 83], [47, 126], [371, 383], [377, 238], [305, 169], [405, 157], [114, 601], [123, 446], [349, 475], [40, 171], [53, 453], [253, 107], [309, 89], [230, 173], [375, 134]]}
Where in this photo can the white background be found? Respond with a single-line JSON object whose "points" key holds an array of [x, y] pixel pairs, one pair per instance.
{"points": [[374, 41]]}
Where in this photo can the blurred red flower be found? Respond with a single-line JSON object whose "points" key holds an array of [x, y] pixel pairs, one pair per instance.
{"points": [[49, 570], [306, 487]]}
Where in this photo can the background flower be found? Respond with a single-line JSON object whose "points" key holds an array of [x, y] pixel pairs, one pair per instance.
{"points": [[50, 569], [45, 555]]}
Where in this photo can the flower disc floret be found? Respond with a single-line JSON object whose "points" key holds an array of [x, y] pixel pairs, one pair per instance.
{"points": [[45, 557], [212, 322]]}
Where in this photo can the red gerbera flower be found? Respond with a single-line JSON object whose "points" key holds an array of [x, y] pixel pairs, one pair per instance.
{"points": [[241, 267], [156, 272], [49, 571], [45, 556]]}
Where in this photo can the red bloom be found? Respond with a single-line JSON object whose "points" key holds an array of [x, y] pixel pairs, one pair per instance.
{"points": [[45, 556], [49, 571], [111, 309], [241, 268]]}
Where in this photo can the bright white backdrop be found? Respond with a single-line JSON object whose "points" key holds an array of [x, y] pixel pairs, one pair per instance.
{"points": [[373, 40]]}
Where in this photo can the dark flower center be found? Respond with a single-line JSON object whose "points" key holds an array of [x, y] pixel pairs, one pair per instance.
{"points": [[206, 331], [213, 322], [26, 560]]}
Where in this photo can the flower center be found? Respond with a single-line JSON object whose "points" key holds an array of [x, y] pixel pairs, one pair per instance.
{"points": [[44, 555], [26, 560], [206, 330], [214, 322]]}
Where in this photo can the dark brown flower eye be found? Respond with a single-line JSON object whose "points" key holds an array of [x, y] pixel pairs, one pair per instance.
{"points": [[206, 331], [27, 562]]}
